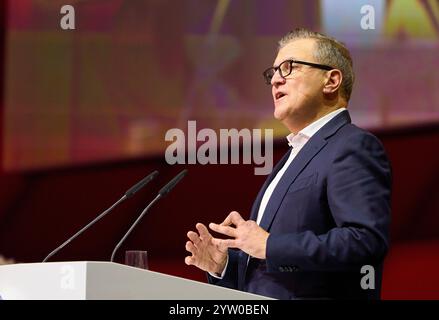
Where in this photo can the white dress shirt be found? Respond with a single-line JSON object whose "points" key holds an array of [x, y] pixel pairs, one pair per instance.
{"points": [[296, 141]]}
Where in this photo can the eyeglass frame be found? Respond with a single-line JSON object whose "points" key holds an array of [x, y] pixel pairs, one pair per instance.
{"points": [[311, 64]]}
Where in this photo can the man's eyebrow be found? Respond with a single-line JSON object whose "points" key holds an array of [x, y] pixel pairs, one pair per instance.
{"points": [[290, 58]]}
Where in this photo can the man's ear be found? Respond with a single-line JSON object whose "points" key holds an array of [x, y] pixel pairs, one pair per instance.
{"points": [[333, 81]]}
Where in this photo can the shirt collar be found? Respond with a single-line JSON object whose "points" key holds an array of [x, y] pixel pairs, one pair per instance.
{"points": [[300, 138]]}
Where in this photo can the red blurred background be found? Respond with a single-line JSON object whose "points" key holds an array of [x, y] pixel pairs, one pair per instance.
{"points": [[40, 207]]}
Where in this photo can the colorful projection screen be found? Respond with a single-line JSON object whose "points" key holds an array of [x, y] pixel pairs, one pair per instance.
{"points": [[133, 69]]}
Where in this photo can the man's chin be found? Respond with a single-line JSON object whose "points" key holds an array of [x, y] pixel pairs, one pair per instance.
{"points": [[279, 114]]}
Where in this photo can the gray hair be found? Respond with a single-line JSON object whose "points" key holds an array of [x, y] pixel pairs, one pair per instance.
{"points": [[330, 52]]}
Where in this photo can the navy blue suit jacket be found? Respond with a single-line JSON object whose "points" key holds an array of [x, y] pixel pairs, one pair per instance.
{"points": [[328, 216]]}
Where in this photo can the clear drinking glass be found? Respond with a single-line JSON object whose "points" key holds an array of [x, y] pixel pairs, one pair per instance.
{"points": [[137, 258]]}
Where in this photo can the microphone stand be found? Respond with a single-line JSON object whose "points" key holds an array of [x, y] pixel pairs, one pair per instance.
{"points": [[134, 225]]}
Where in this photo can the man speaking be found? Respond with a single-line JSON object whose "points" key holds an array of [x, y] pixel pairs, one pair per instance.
{"points": [[324, 211]]}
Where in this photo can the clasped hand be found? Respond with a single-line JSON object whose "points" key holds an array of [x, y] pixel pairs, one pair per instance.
{"points": [[210, 254]]}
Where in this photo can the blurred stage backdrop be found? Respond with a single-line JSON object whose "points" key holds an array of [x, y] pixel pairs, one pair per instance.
{"points": [[84, 114]]}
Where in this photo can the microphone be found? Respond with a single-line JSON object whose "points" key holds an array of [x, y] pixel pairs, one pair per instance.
{"points": [[139, 185], [163, 192], [130, 192]]}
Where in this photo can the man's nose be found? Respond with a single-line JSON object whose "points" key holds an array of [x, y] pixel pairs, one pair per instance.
{"points": [[277, 79]]}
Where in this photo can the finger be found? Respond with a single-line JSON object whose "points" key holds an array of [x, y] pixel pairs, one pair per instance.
{"points": [[228, 231], [233, 218], [189, 261], [226, 243], [228, 220], [236, 218], [191, 248], [204, 233], [194, 237]]}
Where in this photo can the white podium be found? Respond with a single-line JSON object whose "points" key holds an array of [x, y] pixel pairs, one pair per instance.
{"points": [[104, 280]]}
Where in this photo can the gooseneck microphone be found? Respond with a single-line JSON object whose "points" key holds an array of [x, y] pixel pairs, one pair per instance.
{"points": [[163, 192], [127, 195]]}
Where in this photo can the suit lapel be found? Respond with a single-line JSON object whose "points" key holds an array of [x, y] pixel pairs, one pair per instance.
{"points": [[243, 257], [311, 148], [257, 202], [302, 158]]}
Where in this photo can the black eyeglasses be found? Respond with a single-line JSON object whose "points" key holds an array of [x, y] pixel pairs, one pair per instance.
{"points": [[286, 67]]}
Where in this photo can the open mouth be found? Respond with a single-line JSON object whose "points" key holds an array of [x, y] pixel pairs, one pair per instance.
{"points": [[279, 95]]}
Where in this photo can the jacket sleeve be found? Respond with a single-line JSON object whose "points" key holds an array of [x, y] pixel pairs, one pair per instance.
{"points": [[358, 194], [230, 279]]}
